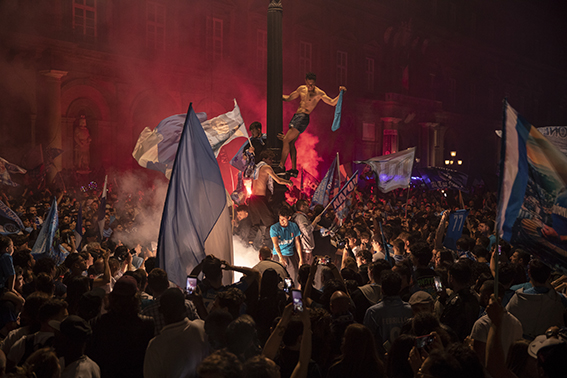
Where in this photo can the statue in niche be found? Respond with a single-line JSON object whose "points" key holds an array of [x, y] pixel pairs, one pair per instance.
{"points": [[82, 136]]}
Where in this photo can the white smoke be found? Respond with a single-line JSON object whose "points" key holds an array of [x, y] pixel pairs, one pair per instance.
{"points": [[243, 255]]}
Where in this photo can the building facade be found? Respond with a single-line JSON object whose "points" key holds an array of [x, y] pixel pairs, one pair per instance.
{"points": [[424, 73]]}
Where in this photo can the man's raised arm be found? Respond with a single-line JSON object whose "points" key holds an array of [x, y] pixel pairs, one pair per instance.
{"points": [[332, 101]]}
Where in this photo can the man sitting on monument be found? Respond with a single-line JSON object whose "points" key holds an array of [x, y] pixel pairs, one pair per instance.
{"points": [[259, 211]]}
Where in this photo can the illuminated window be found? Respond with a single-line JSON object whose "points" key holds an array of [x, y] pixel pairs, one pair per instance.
{"points": [[342, 67], [261, 50], [370, 74], [155, 26], [305, 53], [84, 17], [389, 142]]}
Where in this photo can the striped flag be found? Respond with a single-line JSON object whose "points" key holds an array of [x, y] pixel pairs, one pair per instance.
{"points": [[532, 206]]}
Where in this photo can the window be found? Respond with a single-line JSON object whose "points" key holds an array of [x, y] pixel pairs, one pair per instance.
{"points": [[261, 50], [155, 26], [368, 131], [452, 91], [390, 142], [84, 17], [305, 55], [217, 33], [453, 14], [342, 67], [370, 74], [473, 96]]}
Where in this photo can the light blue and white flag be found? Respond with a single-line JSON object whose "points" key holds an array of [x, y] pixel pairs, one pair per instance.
{"points": [[532, 206], [393, 171], [5, 169], [195, 218], [327, 185], [43, 246], [155, 149], [10, 222]]}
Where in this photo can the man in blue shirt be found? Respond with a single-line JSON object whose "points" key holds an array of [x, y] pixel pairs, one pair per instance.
{"points": [[285, 235]]}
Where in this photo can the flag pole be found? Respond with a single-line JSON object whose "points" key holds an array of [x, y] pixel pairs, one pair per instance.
{"points": [[407, 201], [339, 170]]}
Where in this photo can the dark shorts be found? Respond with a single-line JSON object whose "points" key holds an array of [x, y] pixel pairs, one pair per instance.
{"points": [[299, 122]]}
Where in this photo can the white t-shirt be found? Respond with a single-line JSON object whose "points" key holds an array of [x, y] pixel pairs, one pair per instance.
{"points": [[511, 330], [84, 367]]}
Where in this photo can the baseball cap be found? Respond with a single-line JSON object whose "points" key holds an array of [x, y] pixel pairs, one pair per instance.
{"points": [[420, 297]]}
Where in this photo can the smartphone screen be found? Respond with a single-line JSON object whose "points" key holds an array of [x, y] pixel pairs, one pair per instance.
{"points": [[423, 341], [191, 284], [438, 284], [297, 300], [287, 284]]}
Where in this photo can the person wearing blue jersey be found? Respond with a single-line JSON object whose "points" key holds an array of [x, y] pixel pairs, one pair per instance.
{"points": [[285, 235]]}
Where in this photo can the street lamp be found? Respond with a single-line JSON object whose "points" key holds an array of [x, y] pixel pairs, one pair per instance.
{"points": [[453, 153]]}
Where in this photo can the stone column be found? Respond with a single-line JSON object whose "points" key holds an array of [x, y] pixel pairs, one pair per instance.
{"points": [[53, 115], [275, 75]]}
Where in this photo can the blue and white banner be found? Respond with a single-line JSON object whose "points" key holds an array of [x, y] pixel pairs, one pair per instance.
{"points": [[43, 246], [10, 223], [102, 208], [556, 135], [78, 231], [5, 169], [342, 200], [195, 218], [393, 171], [327, 186], [443, 178], [532, 207], [455, 229], [156, 149]]}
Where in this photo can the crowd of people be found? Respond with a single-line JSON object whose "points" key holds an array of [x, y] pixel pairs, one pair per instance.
{"points": [[376, 296]]}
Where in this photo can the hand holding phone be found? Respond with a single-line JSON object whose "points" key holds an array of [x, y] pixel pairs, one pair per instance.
{"points": [[297, 299], [424, 341], [191, 284], [288, 284]]}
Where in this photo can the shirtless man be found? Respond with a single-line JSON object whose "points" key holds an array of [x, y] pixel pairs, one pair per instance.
{"points": [[261, 216], [310, 96]]}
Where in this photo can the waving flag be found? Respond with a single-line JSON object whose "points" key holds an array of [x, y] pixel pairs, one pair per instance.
{"points": [[309, 184], [327, 186], [532, 208], [338, 111], [341, 201], [195, 215], [43, 246], [10, 223], [5, 169], [393, 171], [156, 149], [443, 178]]}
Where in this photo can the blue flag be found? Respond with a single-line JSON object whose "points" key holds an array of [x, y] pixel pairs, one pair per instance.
{"points": [[532, 206], [10, 222], [338, 110], [194, 206], [341, 201], [326, 186], [455, 229], [43, 246]]}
